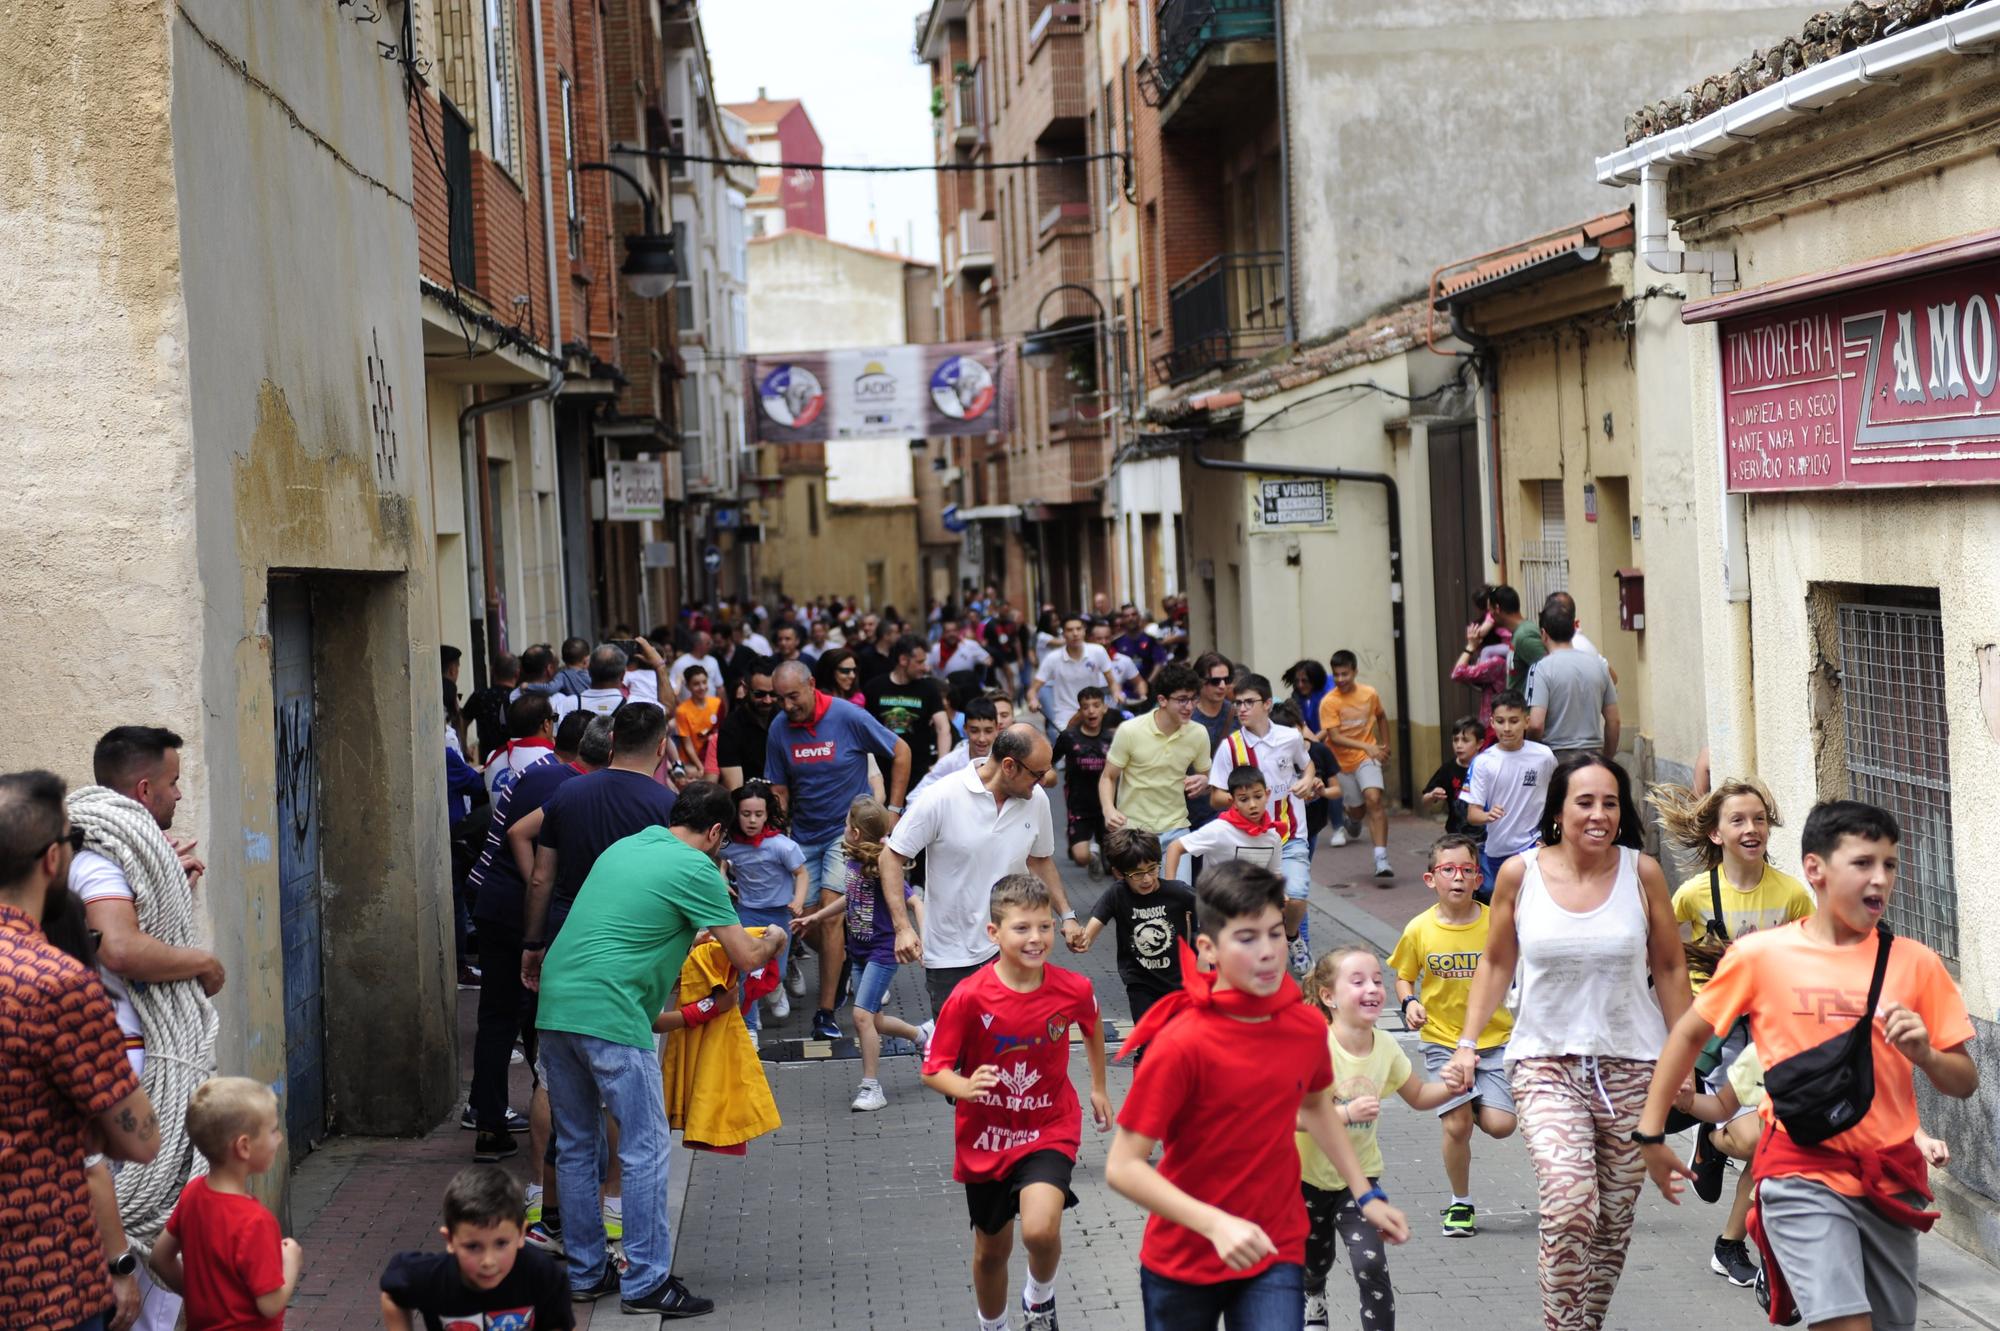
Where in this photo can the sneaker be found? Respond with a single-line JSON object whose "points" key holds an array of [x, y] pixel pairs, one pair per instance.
{"points": [[671, 1299], [824, 1026], [1302, 957], [1096, 863], [795, 980], [492, 1147], [1038, 1316], [468, 977], [1458, 1221], [469, 1120], [541, 1234], [1316, 1311], [1382, 869], [516, 1057], [869, 1097], [1707, 1165], [1339, 837], [780, 1004], [534, 1209], [1732, 1262], [606, 1284], [615, 1251], [1353, 827], [924, 1034]]}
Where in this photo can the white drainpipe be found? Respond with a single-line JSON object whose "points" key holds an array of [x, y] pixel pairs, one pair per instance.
{"points": [[1720, 265]]}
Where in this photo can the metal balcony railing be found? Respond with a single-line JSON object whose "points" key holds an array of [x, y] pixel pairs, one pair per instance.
{"points": [[1224, 312], [1189, 27]]}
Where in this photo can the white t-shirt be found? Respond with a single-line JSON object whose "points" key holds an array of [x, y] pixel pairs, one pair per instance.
{"points": [[970, 843], [1219, 837], [1280, 753], [677, 672], [604, 702], [94, 878], [642, 685], [758, 643], [561, 704], [968, 655], [1519, 783], [1065, 677], [1125, 670]]}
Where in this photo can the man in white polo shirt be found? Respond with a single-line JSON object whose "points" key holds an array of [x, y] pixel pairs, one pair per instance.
{"points": [[1074, 665], [973, 828]]}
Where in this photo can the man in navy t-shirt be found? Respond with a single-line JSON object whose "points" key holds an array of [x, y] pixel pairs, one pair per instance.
{"points": [[816, 760]]}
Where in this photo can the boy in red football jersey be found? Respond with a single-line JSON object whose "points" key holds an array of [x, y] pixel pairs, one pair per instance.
{"points": [[1222, 1088], [1001, 1050]]}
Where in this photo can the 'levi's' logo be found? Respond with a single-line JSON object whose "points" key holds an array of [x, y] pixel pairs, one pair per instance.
{"points": [[821, 752]]}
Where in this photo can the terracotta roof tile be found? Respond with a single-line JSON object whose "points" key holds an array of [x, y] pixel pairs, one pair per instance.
{"points": [[1385, 335], [1612, 231]]}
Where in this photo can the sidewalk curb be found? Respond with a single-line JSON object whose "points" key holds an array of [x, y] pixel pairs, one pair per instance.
{"points": [[1950, 1273]]}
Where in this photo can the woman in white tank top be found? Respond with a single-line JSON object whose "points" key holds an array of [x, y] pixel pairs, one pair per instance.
{"points": [[1589, 918]]}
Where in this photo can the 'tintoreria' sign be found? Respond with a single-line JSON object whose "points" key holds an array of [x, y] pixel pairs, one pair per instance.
{"points": [[1893, 385]]}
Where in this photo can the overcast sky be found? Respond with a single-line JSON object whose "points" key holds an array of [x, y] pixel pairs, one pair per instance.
{"points": [[850, 62]]}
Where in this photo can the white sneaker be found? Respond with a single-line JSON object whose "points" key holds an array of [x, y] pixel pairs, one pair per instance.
{"points": [[1382, 869], [779, 1005], [1302, 957], [869, 1097], [795, 980], [1339, 837], [924, 1034], [1316, 1311]]}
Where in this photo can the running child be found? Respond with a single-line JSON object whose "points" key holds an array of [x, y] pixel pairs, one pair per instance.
{"points": [[1001, 1050], [1152, 916], [1738, 892], [1434, 963], [1243, 831], [1356, 728], [695, 722], [221, 1250], [1507, 788], [487, 1276], [1345, 987], [1235, 1064], [871, 945], [1081, 749], [1833, 1215], [1447, 785], [769, 873]]}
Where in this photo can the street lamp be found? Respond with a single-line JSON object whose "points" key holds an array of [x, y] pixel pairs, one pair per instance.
{"points": [[1042, 347], [649, 268]]}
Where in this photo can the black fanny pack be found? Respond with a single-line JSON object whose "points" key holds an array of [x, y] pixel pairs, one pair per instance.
{"points": [[1823, 1091]]}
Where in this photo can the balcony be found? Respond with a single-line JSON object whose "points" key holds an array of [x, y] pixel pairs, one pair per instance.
{"points": [[1217, 63], [1227, 311], [971, 246], [968, 109], [1052, 99]]}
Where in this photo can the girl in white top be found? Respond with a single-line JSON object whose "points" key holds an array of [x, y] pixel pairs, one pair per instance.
{"points": [[1590, 920]]}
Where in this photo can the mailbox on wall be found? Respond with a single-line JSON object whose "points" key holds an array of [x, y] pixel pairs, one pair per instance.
{"points": [[1631, 599]]}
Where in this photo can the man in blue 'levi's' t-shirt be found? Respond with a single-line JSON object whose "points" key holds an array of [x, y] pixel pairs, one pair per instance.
{"points": [[816, 760]]}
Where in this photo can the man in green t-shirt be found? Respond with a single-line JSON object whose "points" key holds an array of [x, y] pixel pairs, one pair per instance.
{"points": [[607, 988], [1504, 604]]}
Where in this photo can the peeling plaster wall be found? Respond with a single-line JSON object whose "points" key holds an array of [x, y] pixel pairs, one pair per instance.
{"points": [[1507, 98]]}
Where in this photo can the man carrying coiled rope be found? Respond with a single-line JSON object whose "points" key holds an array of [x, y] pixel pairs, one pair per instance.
{"points": [[137, 886]]}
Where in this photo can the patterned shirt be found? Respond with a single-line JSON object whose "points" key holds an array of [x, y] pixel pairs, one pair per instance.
{"points": [[62, 1063]]}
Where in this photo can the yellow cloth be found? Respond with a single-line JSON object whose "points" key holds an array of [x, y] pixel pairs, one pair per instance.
{"points": [[715, 1086], [1777, 899], [1439, 959], [1378, 1073]]}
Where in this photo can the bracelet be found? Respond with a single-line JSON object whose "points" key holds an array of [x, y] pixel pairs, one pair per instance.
{"points": [[533, 945], [1465, 1042], [1374, 1194], [1406, 1003]]}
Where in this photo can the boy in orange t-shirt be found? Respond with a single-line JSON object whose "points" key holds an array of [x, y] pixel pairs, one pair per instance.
{"points": [[695, 722], [1356, 729], [1836, 1218]]}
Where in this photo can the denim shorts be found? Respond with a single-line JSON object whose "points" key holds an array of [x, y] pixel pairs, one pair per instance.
{"points": [[1272, 1300], [872, 979], [826, 867], [1295, 864]]}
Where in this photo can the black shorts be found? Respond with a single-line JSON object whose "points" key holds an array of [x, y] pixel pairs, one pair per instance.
{"points": [[1086, 827], [994, 1205]]}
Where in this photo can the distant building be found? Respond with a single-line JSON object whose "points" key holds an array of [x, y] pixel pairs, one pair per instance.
{"points": [[791, 199]]}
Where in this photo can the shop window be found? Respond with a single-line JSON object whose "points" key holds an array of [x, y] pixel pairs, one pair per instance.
{"points": [[1544, 556], [1894, 744]]}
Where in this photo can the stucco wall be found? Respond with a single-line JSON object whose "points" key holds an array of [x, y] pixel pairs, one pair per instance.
{"points": [[808, 292], [1502, 100]]}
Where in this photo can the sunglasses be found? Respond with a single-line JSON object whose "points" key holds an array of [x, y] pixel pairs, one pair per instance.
{"points": [[764, 695], [74, 837]]}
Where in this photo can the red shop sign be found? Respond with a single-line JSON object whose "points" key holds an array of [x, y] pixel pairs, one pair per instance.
{"points": [[1892, 385]]}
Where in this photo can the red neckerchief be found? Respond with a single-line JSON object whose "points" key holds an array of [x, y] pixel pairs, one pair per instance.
{"points": [[765, 835], [531, 742], [1235, 819], [578, 767], [821, 701], [1198, 991]]}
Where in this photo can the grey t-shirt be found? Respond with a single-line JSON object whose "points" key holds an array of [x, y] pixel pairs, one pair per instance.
{"points": [[1576, 687]]}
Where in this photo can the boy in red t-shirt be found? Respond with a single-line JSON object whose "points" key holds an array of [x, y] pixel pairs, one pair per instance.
{"points": [[221, 1251], [1001, 1049], [1234, 1062], [1836, 1218]]}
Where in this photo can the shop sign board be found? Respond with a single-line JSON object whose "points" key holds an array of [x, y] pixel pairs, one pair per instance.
{"points": [[1291, 503], [634, 490], [1891, 385]]}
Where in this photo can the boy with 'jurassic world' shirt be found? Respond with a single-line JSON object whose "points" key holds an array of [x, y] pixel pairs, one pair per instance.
{"points": [[1001, 1050], [1080, 748]]}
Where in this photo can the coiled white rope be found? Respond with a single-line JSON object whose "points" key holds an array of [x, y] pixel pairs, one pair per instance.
{"points": [[180, 1023]]}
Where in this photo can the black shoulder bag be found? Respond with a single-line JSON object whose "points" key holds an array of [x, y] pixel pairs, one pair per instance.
{"points": [[1825, 1090]]}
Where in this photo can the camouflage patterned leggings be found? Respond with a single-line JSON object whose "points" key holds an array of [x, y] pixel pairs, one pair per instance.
{"points": [[1576, 1114]]}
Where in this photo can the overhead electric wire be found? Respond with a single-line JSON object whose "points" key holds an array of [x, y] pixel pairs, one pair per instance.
{"points": [[671, 155]]}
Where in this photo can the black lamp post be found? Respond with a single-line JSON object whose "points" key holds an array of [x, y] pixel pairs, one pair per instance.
{"points": [[1041, 347], [649, 268]]}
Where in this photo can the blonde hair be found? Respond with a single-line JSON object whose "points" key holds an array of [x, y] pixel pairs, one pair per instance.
{"points": [[225, 1108], [1019, 891], [1319, 981], [1690, 820], [868, 827]]}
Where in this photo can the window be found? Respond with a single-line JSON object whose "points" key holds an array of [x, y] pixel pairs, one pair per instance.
{"points": [[1544, 562], [812, 523], [568, 92], [500, 82], [684, 301], [1896, 749]]}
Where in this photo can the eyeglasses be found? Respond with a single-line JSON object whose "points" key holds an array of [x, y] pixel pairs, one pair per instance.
{"points": [[1249, 702], [1032, 772], [1181, 699], [74, 836], [1457, 870]]}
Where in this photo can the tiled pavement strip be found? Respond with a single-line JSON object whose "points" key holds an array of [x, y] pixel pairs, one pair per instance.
{"points": [[844, 1220]]}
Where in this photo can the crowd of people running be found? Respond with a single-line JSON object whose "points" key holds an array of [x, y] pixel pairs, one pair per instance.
{"points": [[654, 834]]}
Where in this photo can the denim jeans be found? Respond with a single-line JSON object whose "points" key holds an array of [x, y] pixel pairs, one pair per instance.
{"points": [[1272, 1300], [1186, 871], [770, 917], [584, 1074]]}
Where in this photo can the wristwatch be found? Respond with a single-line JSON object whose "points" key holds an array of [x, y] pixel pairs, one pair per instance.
{"points": [[533, 945], [124, 1264], [1647, 1138], [1067, 917]]}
